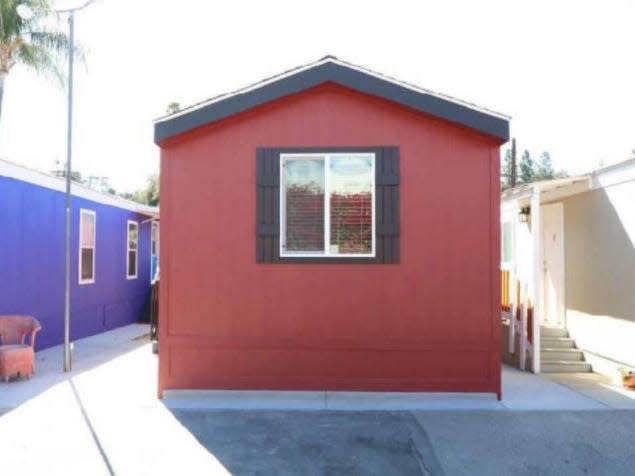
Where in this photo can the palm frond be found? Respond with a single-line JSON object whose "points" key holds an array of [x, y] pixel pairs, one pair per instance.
{"points": [[39, 59], [54, 41], [34, 42], [12, 25]]}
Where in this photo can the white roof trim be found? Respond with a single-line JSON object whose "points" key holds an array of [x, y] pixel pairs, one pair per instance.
{"points": [[555, 189], [35, 177], [329, 59], [614, 174], [527, 190]]}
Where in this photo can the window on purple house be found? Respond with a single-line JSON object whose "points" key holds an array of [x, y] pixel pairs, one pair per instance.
{"points": [[87, 226], [131, 256]]}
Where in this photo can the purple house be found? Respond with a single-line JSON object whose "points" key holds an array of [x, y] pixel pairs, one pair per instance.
{"points": [[114, 253]]}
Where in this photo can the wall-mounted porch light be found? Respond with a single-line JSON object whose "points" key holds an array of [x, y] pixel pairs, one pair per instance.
{"points": [[523, 215]]}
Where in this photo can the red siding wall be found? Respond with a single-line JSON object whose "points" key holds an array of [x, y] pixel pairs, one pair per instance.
{"points": [[428, 323]]}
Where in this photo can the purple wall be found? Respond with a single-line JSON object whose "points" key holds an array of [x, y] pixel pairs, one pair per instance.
{"points": [[32, 263]]}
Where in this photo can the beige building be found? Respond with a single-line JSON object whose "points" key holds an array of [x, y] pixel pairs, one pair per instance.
{"points": [[568, 245]]}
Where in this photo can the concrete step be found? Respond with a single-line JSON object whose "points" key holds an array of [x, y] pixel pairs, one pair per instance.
{"points": [[548, 331], [564, 366], [557, 342], [548, 354]]}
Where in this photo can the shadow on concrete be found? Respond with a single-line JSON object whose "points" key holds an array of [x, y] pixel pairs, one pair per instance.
{"points": [[435, 443], [315, 442]]}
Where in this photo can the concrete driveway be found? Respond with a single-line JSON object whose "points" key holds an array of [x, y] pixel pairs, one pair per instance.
{"points": [[104, 418]]}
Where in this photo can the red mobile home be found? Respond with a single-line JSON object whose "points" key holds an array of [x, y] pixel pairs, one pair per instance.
{"points": [[330, 229]]}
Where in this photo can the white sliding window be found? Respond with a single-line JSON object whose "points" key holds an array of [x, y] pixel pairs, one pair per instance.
{"points": [[132, 245], [327, 205], [87, 227]]}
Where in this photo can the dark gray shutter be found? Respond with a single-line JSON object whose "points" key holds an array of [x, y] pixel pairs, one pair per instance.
{"points": [[267, 205], [387, 204]]}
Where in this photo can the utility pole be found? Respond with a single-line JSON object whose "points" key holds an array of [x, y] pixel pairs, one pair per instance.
{"points": [[512, 173], [67, 198], [25, 12]]}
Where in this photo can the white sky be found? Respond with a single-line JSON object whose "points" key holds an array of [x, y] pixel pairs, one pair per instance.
{"points": [[564, 70]]}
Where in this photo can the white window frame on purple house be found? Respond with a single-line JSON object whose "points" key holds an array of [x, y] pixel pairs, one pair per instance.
{"points": [[82, 213], [154, 249], [128, 250]]}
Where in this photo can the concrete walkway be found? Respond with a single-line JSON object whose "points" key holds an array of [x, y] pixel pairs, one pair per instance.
{"points": [[104, 418], [521, 391], [597, 387], [87, 355]]}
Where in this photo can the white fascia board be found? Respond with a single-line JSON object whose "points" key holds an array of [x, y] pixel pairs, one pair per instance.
{"points": [[580, 185], [35, 177], [516, 195], [560, 188], [614, 175], [549, 189]]}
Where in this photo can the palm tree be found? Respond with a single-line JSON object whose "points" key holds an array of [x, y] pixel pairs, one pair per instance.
{"points": [[29, 41]]}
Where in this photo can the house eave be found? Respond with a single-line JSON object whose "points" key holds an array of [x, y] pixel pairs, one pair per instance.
{"points": [[19, 172], [347, 75], [549, 190]]}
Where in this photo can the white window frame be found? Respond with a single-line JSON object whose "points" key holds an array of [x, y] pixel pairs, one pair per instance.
{"points": [[128, 250], [154, 245], [82, 212], [326, 156], [154, 238], [508, 265]]}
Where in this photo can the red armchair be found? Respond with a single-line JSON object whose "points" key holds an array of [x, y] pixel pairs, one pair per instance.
{"points": [[16, 357]]}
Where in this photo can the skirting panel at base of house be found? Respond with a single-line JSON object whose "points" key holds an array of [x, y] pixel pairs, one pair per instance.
{"points": [[302, 369]]}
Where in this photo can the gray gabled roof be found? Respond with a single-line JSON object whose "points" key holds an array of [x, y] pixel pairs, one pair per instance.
{"points": [[331, 69]]}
